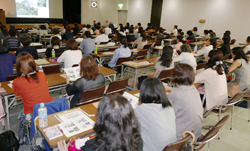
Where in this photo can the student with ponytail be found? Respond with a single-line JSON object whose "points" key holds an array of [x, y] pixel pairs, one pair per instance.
{"points": [[240, 67], [214, 79]]}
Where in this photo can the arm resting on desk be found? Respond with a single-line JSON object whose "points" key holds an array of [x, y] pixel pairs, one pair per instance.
{"points": [[237, 63]]}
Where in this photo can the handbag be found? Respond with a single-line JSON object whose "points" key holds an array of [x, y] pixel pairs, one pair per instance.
{"points": [[37, 140], [8, 141]]}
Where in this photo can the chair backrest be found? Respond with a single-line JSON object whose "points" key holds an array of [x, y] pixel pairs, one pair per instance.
{"points": [[200, 66], [37, 46], [14, 49], [237, 98], [118, 86], [104, 42], [146, 46], [91, 95], [233, 41], [11, 77], [75, 65], [119, 62], [141, 55], [157, 43], [178, 146], [51, 69], [211, 134], [35, 57], [112, 49], [165, 74], [225, 57]]}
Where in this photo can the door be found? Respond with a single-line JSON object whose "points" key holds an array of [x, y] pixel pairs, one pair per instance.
{"points": [[122, 17]]}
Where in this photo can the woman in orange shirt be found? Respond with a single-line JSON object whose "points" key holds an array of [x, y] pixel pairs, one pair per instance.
{"points": [[30, 85]]}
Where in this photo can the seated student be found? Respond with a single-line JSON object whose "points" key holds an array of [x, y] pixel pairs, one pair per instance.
{"points": [[131, 36], [186, 56], [30, 85], [55, 43], [91, 79], [55, 32], [206, 48], [141, 41], [122, 31], [42, 31], [107, 30], [190, 36], [111, 26], [160, 35], [112, 132], [26, 40], [225, 47], [76, 29], [97, 28], [177, 46], [186, 101], [148, 27], [89, 29], [212, 34], [205, 37], [247, 48], [156, 116], [138, 34], [68, 34], [71, 55], [175, 30], [240, 67], [88, 44], [214, 79], [84, 28], [127, 26], [5, 33], [164, 63], [13, 41], [102, 37], [195, 31], [7, 60], [121, 52]]}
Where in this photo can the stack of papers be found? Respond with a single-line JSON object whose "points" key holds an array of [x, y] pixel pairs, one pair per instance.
{"points": [[52, 132], [41, 61], [158, 47]]}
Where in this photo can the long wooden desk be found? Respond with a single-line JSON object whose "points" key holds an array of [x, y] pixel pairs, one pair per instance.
{"points": [[137, 66]]}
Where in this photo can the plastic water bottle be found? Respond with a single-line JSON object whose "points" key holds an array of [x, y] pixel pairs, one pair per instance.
{"points": [[162, 43], [96, 50], [42, 114], [195, 48], [53, 53]]}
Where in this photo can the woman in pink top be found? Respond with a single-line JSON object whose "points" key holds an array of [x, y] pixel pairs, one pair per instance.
{"points": [[177, 47]]}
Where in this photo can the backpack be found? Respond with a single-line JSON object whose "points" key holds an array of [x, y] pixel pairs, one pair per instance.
{"points": [[8, 141]]}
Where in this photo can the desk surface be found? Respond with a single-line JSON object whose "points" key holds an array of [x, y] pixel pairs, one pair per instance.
{"points": [[135, 64], [198, 43], [111, 53], [52, 120], [107, 46]]}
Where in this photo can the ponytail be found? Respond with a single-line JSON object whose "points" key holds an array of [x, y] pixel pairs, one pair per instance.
{"points": [[219, 67]]}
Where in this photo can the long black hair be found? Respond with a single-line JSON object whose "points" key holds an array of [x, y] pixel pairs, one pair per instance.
{"points": [[166, 57], [239, 54], [117, 128], [4, 47], [153, 91], [123, 41], [215, 62]]}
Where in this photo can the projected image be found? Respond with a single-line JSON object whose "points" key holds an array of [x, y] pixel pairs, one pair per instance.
{"points": [[26, 7], [42, 3]]}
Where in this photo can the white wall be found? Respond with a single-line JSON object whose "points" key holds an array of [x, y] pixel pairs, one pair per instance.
{"points": [[89, 14], [220, 15]]}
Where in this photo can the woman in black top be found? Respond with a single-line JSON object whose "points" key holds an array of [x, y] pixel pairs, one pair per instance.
{"points": [[116, 128], [191, 36], [131, 36], [55, 43], [225, 47]]}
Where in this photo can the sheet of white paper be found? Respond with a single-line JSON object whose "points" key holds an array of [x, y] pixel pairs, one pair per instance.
{"points": [[137, 95], [133, 100], [10, 85], [144, 63], [108, 53], [96, 104], [41, 50], [41, 61], [80, 142]]}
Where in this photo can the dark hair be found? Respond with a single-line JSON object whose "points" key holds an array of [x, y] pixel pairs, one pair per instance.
{"points": [[131, 30], [88, 26], [122, 29], [140, 30], [2, 27], [213, 42], [99, 24], [189, 32], [186, 48], [149, 24], [143, 35], [12, 32], [55, 31], [102, 31], [123, 41], [89, 68], [87, 34], [161, 30], [68, 29], [128, 24], [48, 22], [180, 37], [116, 127], [180, 31], [215, 56], [248, 39], [206, 32], [176, 26], [239, 53], [55, 41], [26, 65], [76, 24], [226, 40], [4, 47], [229, 32], [84, 25], [183, 74], [24, 30], [132, 26], [153, 91], [71, 44], [12, 26], [43, 27], [195, 29], [166, 57], [139, 24], [5, 32], [25, 40], [210, 31]]}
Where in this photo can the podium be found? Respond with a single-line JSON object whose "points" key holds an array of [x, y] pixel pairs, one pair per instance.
{"points": [[2, 16]]}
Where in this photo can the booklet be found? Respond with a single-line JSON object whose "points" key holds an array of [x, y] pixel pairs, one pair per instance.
{"points": [[52, 132], [133, 100], [73, 73]]}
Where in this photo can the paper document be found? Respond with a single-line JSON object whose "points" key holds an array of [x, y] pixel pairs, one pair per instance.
{"points": [[41, 61], [131, 98], [144, 63], [73, 73], [96, 104], [2, 90], [52, 132], [158, 47], [41, 50], [10, 85], [108, 53], [137, 95], [110, 44]]}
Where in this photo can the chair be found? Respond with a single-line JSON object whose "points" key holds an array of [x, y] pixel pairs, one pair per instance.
{"points": [[119, 62], [165, 75], [51, 69], [104, 42], [157, 43], [230, 105], [14, 49], [118, 86], [75, 65], [200, 66], [225, 57], [141, 55], [11, 77], [178, 146], [35, 57], [233, 41], [210, 135], [91, 95], [112, 49], [147, 46], [37, 46]]}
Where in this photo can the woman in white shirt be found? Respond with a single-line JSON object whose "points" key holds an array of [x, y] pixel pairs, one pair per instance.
{"points": [[175, 30], [186, 56], [141, 41], [164, 63], [214, 79], [72, 55], [210, 44], [156, 116], [177, 47]]}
